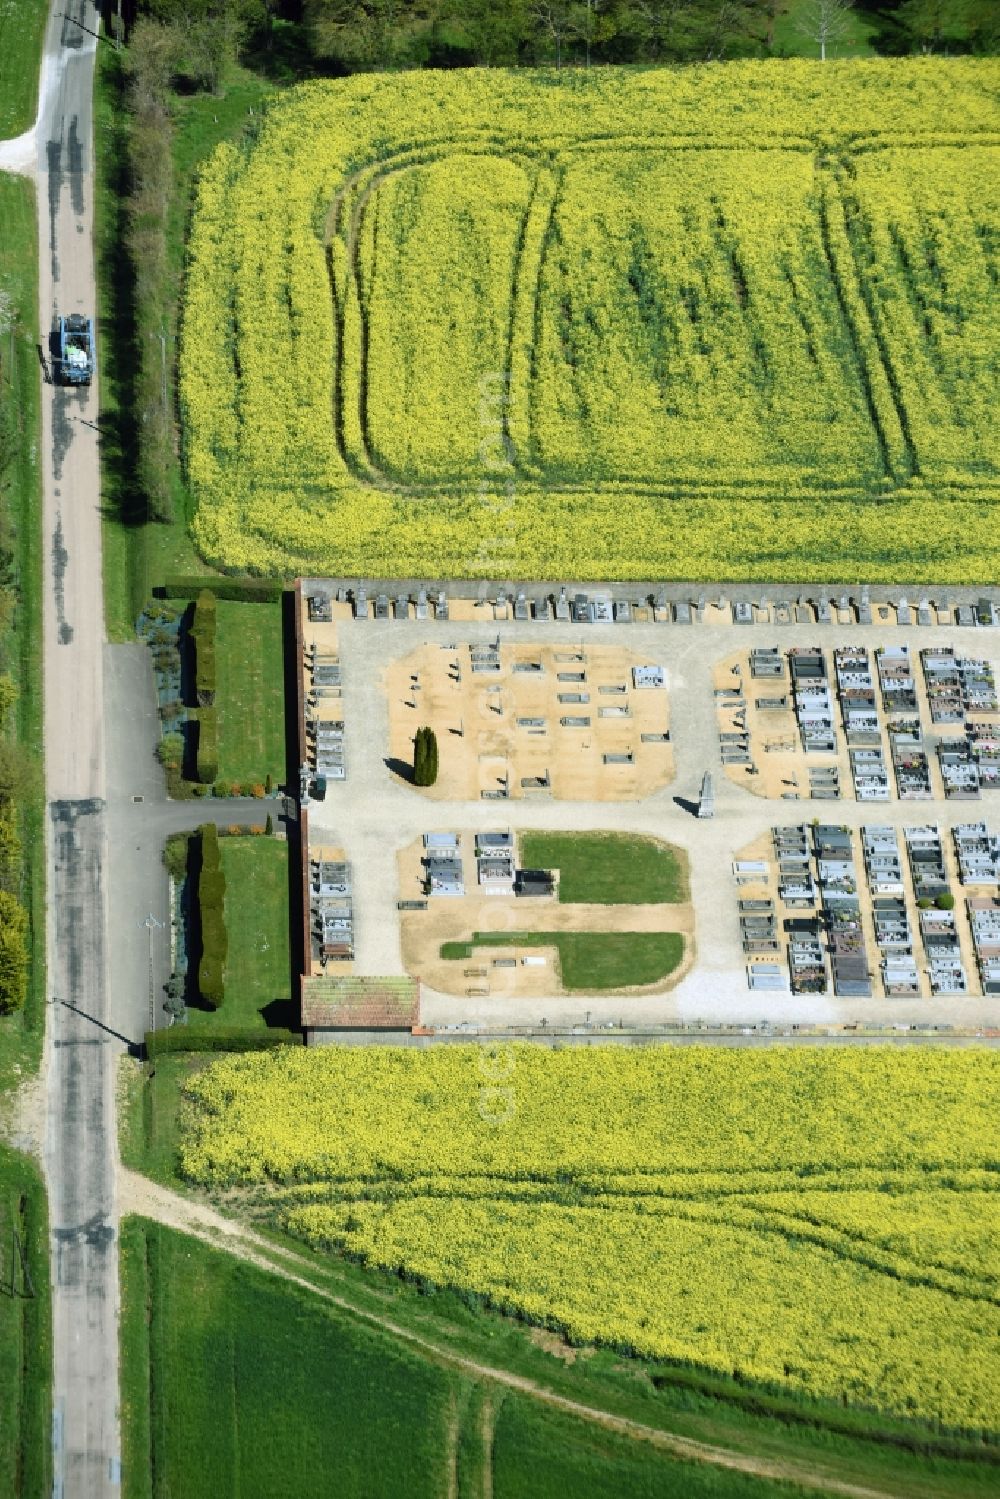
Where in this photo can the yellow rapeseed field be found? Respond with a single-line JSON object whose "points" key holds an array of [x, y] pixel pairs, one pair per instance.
{"points": [[820, 1218], [730, 323]]}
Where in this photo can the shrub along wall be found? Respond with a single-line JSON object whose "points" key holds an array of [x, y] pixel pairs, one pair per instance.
{"points": [[211, 903], [203, 634], [242, 590], [207, 758], [190, 1038]]}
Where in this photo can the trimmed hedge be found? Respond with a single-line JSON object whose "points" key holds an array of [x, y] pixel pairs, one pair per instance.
{"points": [[190, 1038], [207, 758], [211, 909], [202, 633], [241, 590]]}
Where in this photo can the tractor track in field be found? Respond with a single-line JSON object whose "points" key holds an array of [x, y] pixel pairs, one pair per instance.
{"points": [[140, 1195]]}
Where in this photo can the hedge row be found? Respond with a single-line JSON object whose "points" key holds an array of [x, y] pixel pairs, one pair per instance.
{"points": [[13, 953], [190, 1038], [207, 758], [211, 909], [242, 590], [202, 632]]}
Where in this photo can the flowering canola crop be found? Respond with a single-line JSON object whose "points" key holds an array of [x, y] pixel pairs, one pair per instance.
{"points": [[823, 1219], [733, 322]]}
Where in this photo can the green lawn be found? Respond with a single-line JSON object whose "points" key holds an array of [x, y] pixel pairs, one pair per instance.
{"points": [[25, 1333], [21, 627], [237, 1383], [250, 695], [601, 961], [793, 36], [22, 28], [258, 979], [614, 869], [139, 554]]}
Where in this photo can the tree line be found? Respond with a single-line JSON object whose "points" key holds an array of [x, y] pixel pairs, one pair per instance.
{"points": [[357, 35]]}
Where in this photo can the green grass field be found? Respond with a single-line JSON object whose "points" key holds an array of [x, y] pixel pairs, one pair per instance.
{"points": [[250, 699], [235, 1383], [22, 28], [542, 1454], [608, 868], [601, 962], [258, 976], [25, 1332], [21, 631]]}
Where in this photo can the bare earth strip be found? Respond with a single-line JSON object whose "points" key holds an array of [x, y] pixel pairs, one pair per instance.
{"points": [[137, 1194]]}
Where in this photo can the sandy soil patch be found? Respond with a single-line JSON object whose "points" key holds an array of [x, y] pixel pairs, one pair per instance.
{"points": [[559, 721], [501, 970]]}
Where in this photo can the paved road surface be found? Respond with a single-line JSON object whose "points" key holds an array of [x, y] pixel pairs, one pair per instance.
{"points": [[80, 1049], [139, 821]]}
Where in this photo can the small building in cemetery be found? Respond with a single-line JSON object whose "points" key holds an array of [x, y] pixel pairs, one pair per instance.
{"points": [[334, 1008]]}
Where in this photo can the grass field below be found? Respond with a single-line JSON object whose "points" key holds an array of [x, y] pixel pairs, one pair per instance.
{"points": [[237, 1384], [608, 868], [22, 29], [25, 1331], [21, 630], [597, 961], [250, 699]]}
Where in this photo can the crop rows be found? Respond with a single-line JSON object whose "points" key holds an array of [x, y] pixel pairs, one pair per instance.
{"points": [[822, 1219], [765, 349]]}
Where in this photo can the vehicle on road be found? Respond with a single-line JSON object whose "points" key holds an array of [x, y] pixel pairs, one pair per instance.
{"points": [[76, 349]]}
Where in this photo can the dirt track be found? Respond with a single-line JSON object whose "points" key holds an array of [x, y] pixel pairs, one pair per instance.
{"points": [[137, 1194]]}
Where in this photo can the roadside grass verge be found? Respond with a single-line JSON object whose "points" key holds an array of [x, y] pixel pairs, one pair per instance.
{"points": [[250, 692], [609, 868], [22, 31], [908, 1459], [599, 961], [25, 1330], [20, 596], [150, 1102], [139, 552]]}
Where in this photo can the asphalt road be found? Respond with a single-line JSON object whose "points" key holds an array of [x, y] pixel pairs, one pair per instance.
{"points": [[80, 1046]]}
